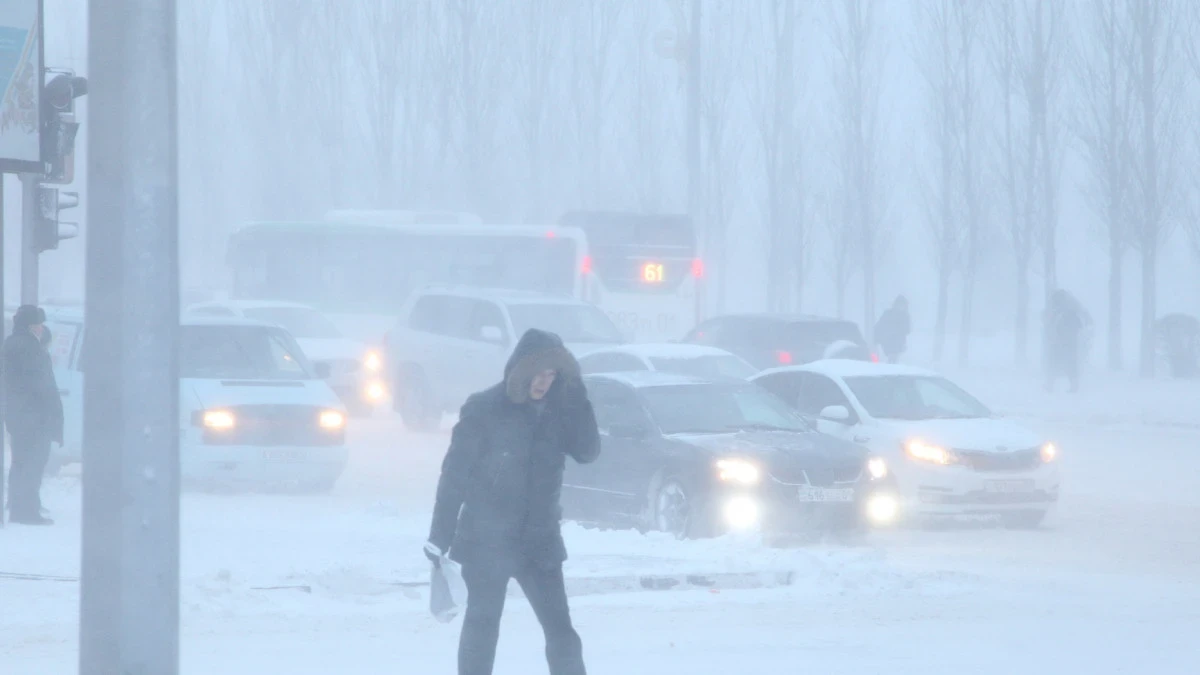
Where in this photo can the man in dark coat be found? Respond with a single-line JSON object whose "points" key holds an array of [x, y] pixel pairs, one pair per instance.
{"points": [[892, 329], [33, 413], [497, 508]]}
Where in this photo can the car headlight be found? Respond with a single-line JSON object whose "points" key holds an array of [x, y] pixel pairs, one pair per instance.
{"points": [[219, 419], [375, 390], [332, 420], [877, 467], [927, 452], [1049, 452], [373, 361], [738, 471]]}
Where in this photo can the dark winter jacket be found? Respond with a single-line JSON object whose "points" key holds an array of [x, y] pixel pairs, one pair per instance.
{"points": [[892, 329], [33, 408], [498, 496]]}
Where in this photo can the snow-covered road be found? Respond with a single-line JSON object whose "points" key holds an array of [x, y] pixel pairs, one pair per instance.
{"points": [[1111, 585]]}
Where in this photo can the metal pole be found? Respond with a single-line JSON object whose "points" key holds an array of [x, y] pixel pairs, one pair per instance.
{"points": [[29, 256], [694, 170], [3, 436], [129, 608]]}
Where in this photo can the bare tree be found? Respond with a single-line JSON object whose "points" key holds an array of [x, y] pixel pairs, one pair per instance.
{"points": [[965, 24], [936, 56], [722, 150], [596, 22], [480, 83], [1103, 125], [1158, 105], [836, 216], [774, 99], [858, 69], [648, 134], [536, 62]]}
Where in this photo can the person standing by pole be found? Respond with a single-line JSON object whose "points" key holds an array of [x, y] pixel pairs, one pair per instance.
{"points": [[34, 413], [497, 510]]}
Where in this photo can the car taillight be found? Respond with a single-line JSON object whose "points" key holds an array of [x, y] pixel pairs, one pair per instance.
{"points": [[585, 267], [783, 357], [874, 357]]}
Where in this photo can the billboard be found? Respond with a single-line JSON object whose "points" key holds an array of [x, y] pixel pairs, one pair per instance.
{"points": [[21, 78]]}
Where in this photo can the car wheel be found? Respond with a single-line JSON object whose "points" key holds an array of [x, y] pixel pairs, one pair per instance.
{"points": [[676, 510], [1023, 520], [415, 403]]}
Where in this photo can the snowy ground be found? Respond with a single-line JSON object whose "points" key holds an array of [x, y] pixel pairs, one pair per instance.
{"points": [[1111, 585]]}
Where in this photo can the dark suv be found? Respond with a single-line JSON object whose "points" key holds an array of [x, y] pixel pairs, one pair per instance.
{"points": [[773, 340]]}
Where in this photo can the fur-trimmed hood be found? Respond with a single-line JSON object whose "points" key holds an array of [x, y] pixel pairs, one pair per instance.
{"points": [[538, 350]]}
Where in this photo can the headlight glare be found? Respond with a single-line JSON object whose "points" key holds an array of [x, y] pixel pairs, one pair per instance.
{"points": [[738, 471], [877, 467], [332, 420], [375, 391], [219, 419], [373, 361], [1049, 452], [926, 452]]}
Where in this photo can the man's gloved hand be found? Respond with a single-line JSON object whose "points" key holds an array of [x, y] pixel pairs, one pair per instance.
{"points": [[434, 554]]}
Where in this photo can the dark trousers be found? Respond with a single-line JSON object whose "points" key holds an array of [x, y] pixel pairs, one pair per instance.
{"points": [[29, 456], [546, 593]]}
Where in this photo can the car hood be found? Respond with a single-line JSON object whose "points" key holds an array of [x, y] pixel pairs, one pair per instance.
{"points": [[777, 448], [983, 434], [221, 393], [337, 349]]}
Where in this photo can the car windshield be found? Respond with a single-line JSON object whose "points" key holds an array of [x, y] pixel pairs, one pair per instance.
{"points": [[898, 397], [709, 365], [718, 408], [299, 321], [572, 323], [242, 352]]}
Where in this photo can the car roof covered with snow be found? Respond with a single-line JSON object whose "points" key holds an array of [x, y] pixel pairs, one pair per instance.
{"points": [[646, 379], [245, 304], [223, 321], [840, 368], [663, 350], [501, 295]]}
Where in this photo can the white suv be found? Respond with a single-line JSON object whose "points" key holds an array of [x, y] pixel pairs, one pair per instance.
{"points": [[451, 342]]}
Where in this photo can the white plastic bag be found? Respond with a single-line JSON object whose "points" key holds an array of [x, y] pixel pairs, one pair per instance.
{"points": [[447, 591]]}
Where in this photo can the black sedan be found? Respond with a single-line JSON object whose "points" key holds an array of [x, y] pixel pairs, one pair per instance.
{"points": [[698, 457]]}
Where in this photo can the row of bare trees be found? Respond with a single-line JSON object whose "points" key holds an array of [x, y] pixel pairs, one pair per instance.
{"points": [[523, 109]]}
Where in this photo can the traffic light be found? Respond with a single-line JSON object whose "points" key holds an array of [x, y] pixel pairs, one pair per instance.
{"points": [[48, 230], [59, 127]]}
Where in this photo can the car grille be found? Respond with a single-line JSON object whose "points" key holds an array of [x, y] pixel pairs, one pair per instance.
{"points": [[274, 425], [818, 475], [1020, 460]]}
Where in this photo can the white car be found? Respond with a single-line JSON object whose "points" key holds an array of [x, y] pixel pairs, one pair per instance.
{"points": [[681, 359], [355, 370], [948, 454], [452, 341], [253, 410]]}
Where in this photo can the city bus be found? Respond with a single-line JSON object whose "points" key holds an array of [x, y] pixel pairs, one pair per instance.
{"points": [[358, 267]]}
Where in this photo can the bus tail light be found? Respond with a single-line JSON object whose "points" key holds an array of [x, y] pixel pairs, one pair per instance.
{"points": [[698, 268], [585, 267], [783, 357], [874, 357]]}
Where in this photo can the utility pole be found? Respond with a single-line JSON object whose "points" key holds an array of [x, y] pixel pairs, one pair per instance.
{"points": [[695, 172], [129, 604], [3, 477], [30, 214]]}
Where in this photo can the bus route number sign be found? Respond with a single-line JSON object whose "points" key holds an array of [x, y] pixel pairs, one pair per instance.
{"points": [[652, 273]]}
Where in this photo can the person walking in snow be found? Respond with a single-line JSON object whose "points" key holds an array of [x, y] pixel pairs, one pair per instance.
{"points": [[892, 329], [33, 412], [497, 509], [1065, 323]]}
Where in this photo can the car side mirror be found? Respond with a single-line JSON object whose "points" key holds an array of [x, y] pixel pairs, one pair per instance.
{"points": [[491, 334], [836, 413], [323, 370], [627, 431]]}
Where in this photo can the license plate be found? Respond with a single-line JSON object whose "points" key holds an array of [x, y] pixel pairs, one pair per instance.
{"points": [[276, 455], [1008, 486], [818, 494]]}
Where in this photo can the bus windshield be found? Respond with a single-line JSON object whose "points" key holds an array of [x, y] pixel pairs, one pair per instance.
{"points": [[342, 268]]}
